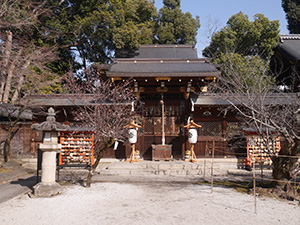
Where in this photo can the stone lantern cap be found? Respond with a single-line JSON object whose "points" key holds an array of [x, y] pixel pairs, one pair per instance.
{"points": [[192, 124], [50, 124]]}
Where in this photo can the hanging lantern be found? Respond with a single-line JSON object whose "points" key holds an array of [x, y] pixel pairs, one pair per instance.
{"points": [[132, 136], [192, 134], [132, 132], [192, 138], [116, 145]]}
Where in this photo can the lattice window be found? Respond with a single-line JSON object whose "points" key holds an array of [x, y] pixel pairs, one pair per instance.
{"points": [[157, 124], [154, 125], [148, 125], [157, 110], [210, 129]]}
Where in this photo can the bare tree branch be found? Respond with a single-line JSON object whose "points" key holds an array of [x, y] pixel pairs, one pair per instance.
{"points": [[107, 109], [250, 89]]}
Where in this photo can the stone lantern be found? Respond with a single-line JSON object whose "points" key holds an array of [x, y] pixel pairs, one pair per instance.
{"points": [[132, 132], [192, 138], [48, 187]]}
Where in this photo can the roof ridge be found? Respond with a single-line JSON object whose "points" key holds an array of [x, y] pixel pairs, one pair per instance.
{"points": [[168, 46], [161, 60], [290, 36]]}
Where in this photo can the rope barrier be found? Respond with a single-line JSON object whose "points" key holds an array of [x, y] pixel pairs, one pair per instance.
{"points": [[262, 178], [295, 185], [234, 154]]}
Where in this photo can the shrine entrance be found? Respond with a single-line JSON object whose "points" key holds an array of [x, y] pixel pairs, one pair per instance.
{"points": [[153, 129]]}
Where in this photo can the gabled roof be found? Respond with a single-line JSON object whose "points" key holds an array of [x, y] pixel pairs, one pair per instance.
{"points": [[289, 46], [163, 60], [151, 68], [167, 52]]}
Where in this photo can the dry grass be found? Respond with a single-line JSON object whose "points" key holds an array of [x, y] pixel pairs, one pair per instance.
{"points": [[263, 189], [238, 186], [4, 170]]}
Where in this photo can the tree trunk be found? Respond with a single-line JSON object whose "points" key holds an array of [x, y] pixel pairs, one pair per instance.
{"points": [[2, 85], [17, 92], [10, 134], [10, 77], [98, 158], [20, 84], [285, 167], [7, 53], [7, 154]]}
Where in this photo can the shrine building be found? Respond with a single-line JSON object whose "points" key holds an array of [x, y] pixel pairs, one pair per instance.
{"points": [[174, 75]]}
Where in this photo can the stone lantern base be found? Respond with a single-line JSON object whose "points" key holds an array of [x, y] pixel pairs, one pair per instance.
{"points": [[47, 189]]}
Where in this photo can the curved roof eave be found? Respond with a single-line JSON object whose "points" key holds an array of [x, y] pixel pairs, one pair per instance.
{"points": [[169, 74]]}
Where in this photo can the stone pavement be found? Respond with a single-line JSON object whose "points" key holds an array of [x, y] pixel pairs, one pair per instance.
{"points": [[164, 172], [16, 180]]}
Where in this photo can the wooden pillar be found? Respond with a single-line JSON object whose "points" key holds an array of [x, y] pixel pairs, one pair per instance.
{"points": [[224, 135]]}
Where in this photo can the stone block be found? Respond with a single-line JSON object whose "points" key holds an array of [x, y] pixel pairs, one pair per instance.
{"points": [[164, 167], [47, 189], [177, 166], [188, 166]]}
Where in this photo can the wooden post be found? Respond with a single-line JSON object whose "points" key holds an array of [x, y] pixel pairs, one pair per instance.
{"points": [[212, 167], [133, 156], [262, 170], [254, 185], [192, 155], [204, 170], [163, 138]]}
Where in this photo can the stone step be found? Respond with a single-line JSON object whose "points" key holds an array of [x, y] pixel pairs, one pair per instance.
{"points": [[147, 168], [172, 168]]}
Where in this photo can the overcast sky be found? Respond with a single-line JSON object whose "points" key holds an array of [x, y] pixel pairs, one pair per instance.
{"points": [[222, 10]]}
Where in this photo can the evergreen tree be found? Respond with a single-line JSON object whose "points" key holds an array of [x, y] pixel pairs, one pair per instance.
{"points": [[292, 10], [94, 30], [97, 30], [174, 26], [244, 37]]}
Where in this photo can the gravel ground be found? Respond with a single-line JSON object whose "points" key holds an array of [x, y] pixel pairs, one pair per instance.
{"points": [[123, 203]]}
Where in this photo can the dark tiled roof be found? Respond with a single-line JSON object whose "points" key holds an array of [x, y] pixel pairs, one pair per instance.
{"points": [[59, 99], [155, 68], [218, 100], [208, 100], [162, 60], [289, 46], [12, 111], [65, 100], [167, 52]]}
